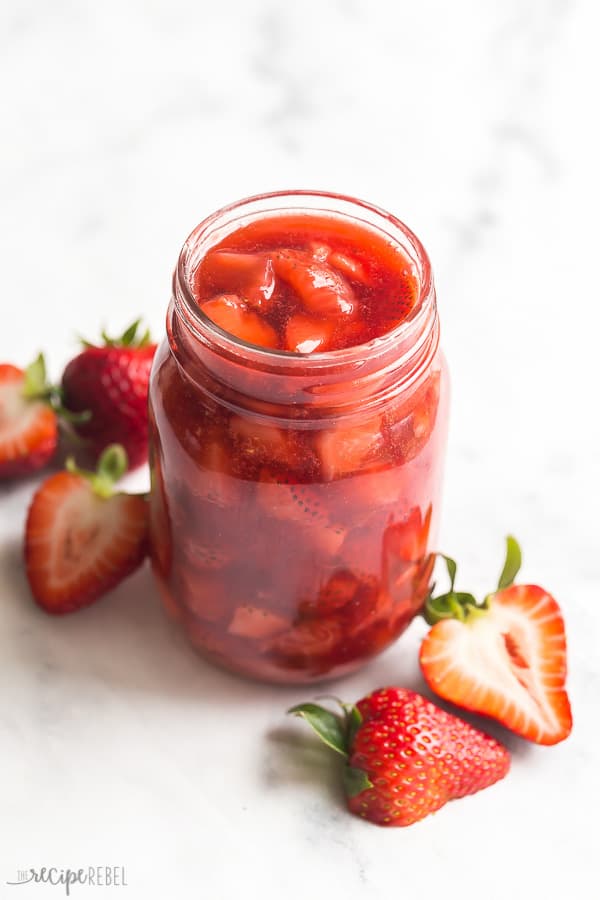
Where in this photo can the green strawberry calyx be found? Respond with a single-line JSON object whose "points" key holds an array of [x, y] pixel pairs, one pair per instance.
{"points": [[337, 732], [112, 465], [463, 606], [37, 387], [132, 338]]}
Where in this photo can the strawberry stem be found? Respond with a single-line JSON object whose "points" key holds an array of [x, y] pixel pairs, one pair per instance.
{"points": [[338, 733], [327, 725], [512, 563], [463, 606]]}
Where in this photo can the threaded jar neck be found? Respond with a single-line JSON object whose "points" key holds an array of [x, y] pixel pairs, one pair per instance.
{"points": [[372, 371]]}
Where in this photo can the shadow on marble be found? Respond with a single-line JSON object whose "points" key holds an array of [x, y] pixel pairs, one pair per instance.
{"points": [[297, 757], [125, 642]]}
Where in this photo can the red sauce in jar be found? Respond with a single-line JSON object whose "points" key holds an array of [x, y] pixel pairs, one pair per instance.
{"points": [[297, 448]]}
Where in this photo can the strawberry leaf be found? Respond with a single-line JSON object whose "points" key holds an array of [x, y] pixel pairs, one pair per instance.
{"points": [[512, 563], [36, 385], [451, 566], [355, 781], [353, 723], [112, 465], [327, 725]]}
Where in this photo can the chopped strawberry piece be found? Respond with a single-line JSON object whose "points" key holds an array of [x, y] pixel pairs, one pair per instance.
{"points": [[304, 504], [319, 251], [319, 288], [214, 480], [343, 450], [79, 542], [231, 314], [255, 623], [313, 638], [305, 334], [350, 267], [28, 426], [248, 274], [263, 443], [203, 594]]}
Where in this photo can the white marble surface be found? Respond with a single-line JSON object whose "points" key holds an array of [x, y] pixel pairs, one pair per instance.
{"points": [[124, 123]]}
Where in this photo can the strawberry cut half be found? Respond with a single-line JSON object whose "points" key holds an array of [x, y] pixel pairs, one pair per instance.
{"points": [[505, 659], [81, 539], [230, 313], [28, 425]]}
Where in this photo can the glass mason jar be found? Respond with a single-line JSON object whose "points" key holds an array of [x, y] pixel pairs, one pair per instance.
{"points": [[278, 565]]}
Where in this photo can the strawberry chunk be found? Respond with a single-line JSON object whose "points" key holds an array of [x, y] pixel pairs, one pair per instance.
{"points": [[350, 267], [263, 443], [28, 427], [231, 314], [343, 450], [303, 504], [313, 638], [79, 544], [255, 623], [203, 594], [250, 275], [319, 288], [305, 334]]}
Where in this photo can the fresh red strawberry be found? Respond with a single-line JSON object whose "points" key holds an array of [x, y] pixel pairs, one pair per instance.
{"points": [[248, 274], [81, 538], [231, 314], [111, 382], [405, 757], [306, 334], [320, 289], [505, 658], [28, 423]]}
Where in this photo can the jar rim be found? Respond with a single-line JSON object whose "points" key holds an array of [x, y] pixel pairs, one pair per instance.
{"points": [[209, 332]]}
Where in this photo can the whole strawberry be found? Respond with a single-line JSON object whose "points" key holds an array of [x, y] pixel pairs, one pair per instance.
{"points": [[405, 757], [111, 382]]}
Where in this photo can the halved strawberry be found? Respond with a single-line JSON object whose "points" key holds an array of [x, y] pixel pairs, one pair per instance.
{"points": [[28, 425], [250, 275], [306, 334], [230, 313], [505, 658], [81, 538], [319, 288]]}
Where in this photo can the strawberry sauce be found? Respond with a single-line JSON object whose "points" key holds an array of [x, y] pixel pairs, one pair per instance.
{"points": [[295, 490]]}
